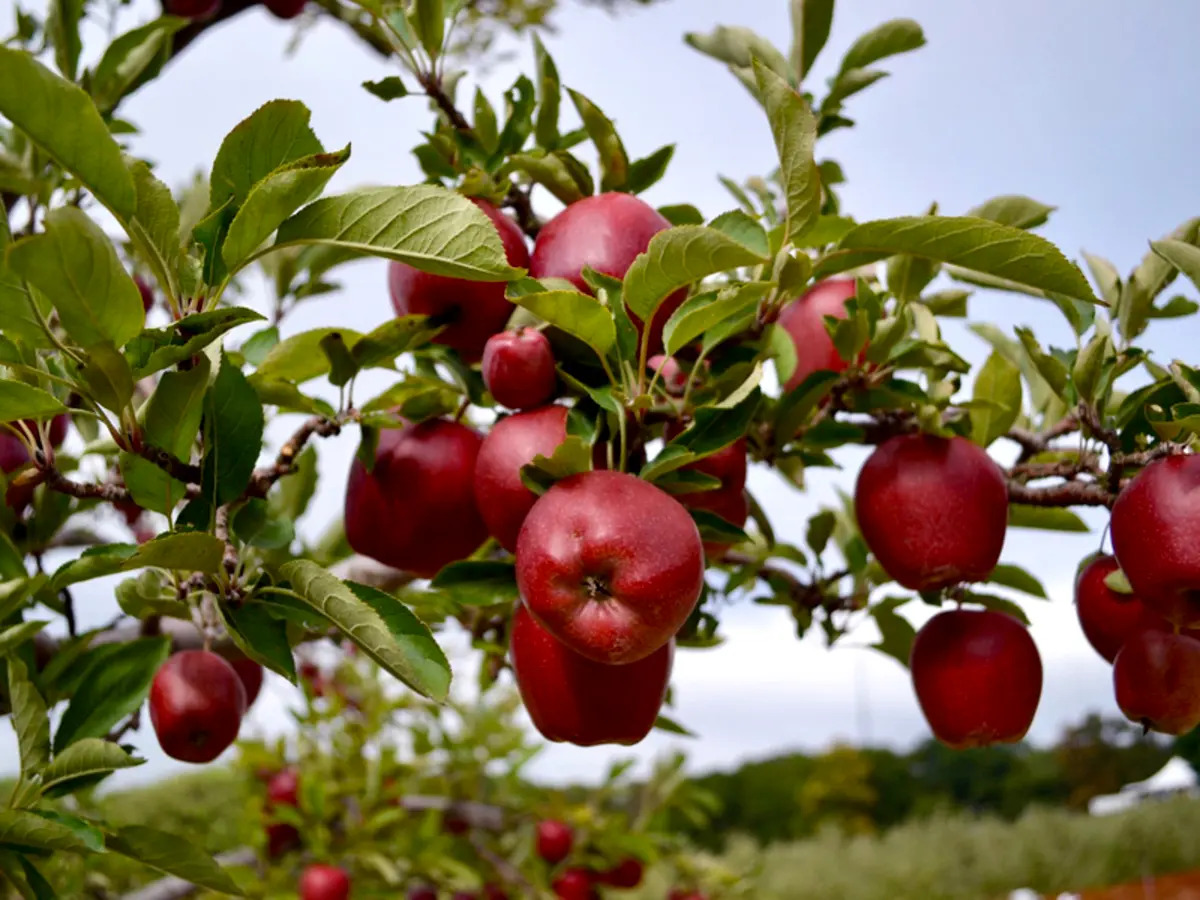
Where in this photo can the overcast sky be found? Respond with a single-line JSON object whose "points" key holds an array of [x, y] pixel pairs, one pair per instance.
{"points": [[1088, 106]]}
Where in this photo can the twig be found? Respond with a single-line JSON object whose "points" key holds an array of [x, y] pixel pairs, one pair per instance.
{"points": [[131, 724], [285, 461], [1034, 442], [113, 493], [180, 471], [1070, 493]]}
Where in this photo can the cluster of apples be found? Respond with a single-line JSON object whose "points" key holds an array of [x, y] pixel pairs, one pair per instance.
{"points": [[554, 842], [202, 10], [197, 701], [1149, 629]]}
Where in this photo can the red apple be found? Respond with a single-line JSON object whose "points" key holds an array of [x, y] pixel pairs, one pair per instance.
{"points": [[978, 677], [605, 232], [284, 789], [422, 892], [494, 892], [572, 699], [1156, 676], [514, 441], [321, 882], [574, 884], [193, 9], [554, 840], [625, 874], [251, 674], [1107, 617], [1154, 525], [610, 565], [416, 509], [146, 291], [670, 373], [281, 838], [518, 368], [473, 310], [933, 510], [285, 9], [804, 320], [196, 706]]}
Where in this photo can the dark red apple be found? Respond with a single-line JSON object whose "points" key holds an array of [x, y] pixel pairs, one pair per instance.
{"points": [[251, 674], [554, 840], [978, 677], [1107, 617], [472, 310], [494, 892], [518, 368], [610, 565], [514, 441], [605, 232], [804, 319], [281, 838], [1156, 676], [416, 509], [574, 884], [285, 9], [933, 510], [196, 706], [683, 894], [1154, 525], [422, 892], [193, 9], [146, 291], [670, 373], [626, 874], [284, 789], [321, 882], [572, 699]]}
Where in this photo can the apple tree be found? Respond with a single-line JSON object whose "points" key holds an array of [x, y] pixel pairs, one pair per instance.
{"points": [[559, 465]]}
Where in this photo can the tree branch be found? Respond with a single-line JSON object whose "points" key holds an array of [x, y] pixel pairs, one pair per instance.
{"points": [[1034, 442], [1069, 493], [113, 493], [285, 461]]}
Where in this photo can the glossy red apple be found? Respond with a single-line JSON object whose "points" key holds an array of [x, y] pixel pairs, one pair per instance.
{"points": [[626, 874], [251, 674], [574, 884], [554, 840], [285, 9], [416, 509], [473, 310], [501, 496], [610, 565], [518, 368], [572, 699], [1154, 525], [977, 676], [1156, 676], [1107, 617], [321, 882], [606, 232], [196, 705], [804, 320], [670, 374], [933, 510]]}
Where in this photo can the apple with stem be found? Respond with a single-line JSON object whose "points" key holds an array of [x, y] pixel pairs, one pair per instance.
{"points": [[1109, 617], [1156, 678], [197, 702], [518, 368]]}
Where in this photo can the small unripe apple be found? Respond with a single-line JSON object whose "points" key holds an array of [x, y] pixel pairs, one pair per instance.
{"points": [[1108, 617], [196, 706], [977, 676], [251, 674], [285, 9], [518, 368], [606, 232], [804, 320], [554, 840], [1154, 525], [1156, 677], [572, 699], [670, 373], [473, 310], [626, 874], [193, 9], [933, 510], [574, 884], [321, 882], [416, 511], [610, 565], [502, 497]]}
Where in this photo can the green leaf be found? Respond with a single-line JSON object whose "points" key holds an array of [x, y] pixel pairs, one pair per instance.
{"points": [[62, 27], [797, 404], [888, 39], [485, 126], [715, 427], [154, 229], [392, 338], [274, 134], [255, 525], [702, 312], [262, 637], [111, 689], [578, 314], [276, 197], [744, 229], [17, 306], [549, 95], [157, 348], [177, 856], [669, 725], [811, 21], [61, 119], [29, 717], [1090, 363], [379, 624], [1052, 369], [713, 527], [646, 172], [173, 412], [39, 887], [1118, 581], [558, 172], [431, 25], [342, 366], [23, 401], [682, 214], [520, 101], [389, 88], [677, 257], [1107, 279], [428, 227], [1013, 576], [737, 46], [37, 831], [16, 635], [129, 57], [150, 487], [820, 529], [1175, 308], [614, 163], [795, 133], [1152, 276], [83, 759], [976, 244], [188, 551], [999, 381], [1045, 518], [107, 377], [1184, 257], [478, 582], [233, 429], [290, 497], [259, 344], [1013, 209], [75, 264], [572, 456], [299, 358], [896, 633]]}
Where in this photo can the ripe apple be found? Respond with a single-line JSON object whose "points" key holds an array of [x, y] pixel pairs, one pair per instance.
{"points": [[625, 874], [514, 441], [422, 892], [610, 565], [729, 501], [978, 677], [251, 674], [670, 373], [196, 705], [554, 840], [284, 789], [193, 9], [1154, 526], [416, 509], [574, 884], [933, 510], [804, 320], [473, 310], [518, 368], [321, 882], [281, 838], [606, 232], [1107, 617], [285, 9], [572, 699], [1156, 676]]}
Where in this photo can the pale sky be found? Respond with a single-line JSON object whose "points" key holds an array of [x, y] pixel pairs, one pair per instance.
{"points": [[1088, 106]]}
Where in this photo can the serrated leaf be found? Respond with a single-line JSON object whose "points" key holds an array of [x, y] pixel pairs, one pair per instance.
{"points": [[31, 830], [29, 717], [274, 134], [1013, 576], [107, 377], [158, 348], [262, 637], [392, 338], [182, 551], [703, 311], [379, 624], [744, 229], [1046, 518], [795, 132], [84, 758], [998, 381], [233, 429], [1013, 209], [177, 856], [572, 456], [479, 582], [24, 401], [1184, 257], [556, 173], [578, 314], [129, 57], [299, 357]]}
